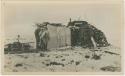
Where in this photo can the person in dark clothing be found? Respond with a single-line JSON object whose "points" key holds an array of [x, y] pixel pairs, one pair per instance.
{"points": [[44, 38], [74, 36], [85, 36], [37, 35]]}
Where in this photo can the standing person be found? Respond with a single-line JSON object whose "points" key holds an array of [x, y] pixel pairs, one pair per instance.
{"points": [[75, 38], [86, 34], [37, 35], [44, 37]]}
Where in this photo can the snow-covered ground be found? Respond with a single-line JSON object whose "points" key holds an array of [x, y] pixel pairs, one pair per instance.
{"points": [[104, 59]]}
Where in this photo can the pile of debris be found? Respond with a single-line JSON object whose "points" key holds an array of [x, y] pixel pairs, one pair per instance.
{"points": [[86, 35]]}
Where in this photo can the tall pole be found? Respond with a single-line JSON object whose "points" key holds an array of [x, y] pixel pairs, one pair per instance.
{"points": [[57, 37], [65, 37]]}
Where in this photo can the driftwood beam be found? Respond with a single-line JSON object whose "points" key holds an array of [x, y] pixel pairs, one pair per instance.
{"points": [[111, 53]]}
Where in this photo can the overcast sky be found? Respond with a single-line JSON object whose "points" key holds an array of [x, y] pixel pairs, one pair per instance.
{"points": [[20, 17]]}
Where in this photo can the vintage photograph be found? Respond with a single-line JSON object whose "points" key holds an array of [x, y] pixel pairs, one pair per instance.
{"points": [[62, 36]]}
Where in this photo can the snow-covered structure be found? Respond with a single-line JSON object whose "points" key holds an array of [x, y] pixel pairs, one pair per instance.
{"points": [[76, 33]]}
